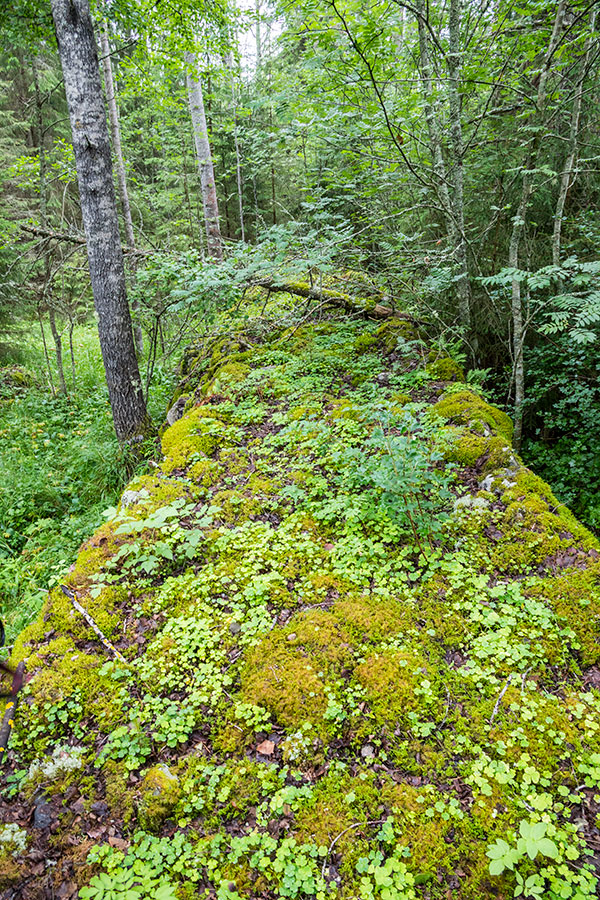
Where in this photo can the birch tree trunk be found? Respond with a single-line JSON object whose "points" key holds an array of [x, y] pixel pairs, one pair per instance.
{"points": [[519, 221], [83, 88], [204, 157], [236, 145], [115, 133], [463, 284], [569, 173]]}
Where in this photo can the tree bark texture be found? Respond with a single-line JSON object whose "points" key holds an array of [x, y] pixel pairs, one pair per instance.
{"points": [[204, 157], [83, 88], [115, 133]]}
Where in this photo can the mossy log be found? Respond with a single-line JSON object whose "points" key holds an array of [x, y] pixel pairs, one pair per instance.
{"points": [[369, 308]]}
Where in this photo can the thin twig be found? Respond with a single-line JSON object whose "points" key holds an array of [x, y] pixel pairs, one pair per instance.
{"points": [[73, 598], [500, 696], [342, 833]]}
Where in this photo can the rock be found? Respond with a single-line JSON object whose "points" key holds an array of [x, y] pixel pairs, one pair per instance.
{"points": [[130, 498], [176, 411], [42, 816], [235, 628], [99, 808], [468, 501], [160, 793], [292, 636], [367, 751]]}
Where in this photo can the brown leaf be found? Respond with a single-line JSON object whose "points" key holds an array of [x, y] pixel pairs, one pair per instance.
{"points": [[119, 843], [266, 748]]}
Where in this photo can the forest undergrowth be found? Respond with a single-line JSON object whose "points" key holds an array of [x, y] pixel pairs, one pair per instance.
{"points": [[61, 465], [354, 649]]}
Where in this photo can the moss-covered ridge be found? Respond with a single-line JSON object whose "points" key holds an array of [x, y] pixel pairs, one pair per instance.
{"points": [[361, 645]]}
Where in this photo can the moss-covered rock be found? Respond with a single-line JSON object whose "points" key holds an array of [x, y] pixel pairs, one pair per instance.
{"points": [[467, 408], [357, 653], [159, 794]]}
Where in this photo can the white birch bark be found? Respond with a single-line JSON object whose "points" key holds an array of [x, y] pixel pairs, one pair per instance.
{"points": [[204, 157]]}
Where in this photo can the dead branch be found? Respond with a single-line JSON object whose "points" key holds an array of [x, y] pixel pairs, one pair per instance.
{"points": [[73, 238], [331, 298]]}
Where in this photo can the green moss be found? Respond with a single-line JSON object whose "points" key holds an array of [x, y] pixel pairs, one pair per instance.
{"points": [[346, 409], [387, 334], [339, 805], [445, 369], [365, 343], [467, 408], [257, 484], [574, 595], [369, 618], [229, 375], [147, 493], [198, 433], [206, 472], [160, 793], [235, 506], [66, 686], [60, 616], [470, 449], [234, 459], [287, 672]]}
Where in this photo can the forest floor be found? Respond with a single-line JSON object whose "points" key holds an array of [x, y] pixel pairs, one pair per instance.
{"points": [[351, 648]]}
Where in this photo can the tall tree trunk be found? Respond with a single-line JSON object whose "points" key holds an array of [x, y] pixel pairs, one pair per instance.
{"points": [[204, 156], [258, 35], [568, 173], [236, 144], [83, 88], [519, 221], [463, 284], [115, 132], [431, 118]]}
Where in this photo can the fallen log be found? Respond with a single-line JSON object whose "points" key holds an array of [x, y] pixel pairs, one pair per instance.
{"points": [[331, 298]]}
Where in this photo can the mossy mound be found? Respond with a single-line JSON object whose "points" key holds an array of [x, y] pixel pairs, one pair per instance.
{"points": [[352, 650]]}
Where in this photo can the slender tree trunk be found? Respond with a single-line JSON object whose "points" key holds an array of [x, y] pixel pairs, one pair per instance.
{"points": [[46, 354], [569, 174], [204, 156], [463, 284], [186, 190], [72, 353], [519, 221], [58, 349], [115, 133], [273, 195], [258, 35], [83, 88], [236, 144], [431, 118]]}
